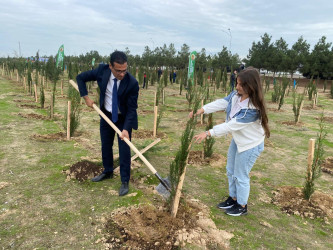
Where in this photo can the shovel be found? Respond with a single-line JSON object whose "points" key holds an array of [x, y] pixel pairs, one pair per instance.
{"points": [[164, 182]]}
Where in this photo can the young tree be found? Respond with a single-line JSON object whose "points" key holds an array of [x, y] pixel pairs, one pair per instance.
{"points": [[317, 162]]}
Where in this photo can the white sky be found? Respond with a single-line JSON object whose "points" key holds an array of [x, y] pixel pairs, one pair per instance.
{"points": [[106, 25]]}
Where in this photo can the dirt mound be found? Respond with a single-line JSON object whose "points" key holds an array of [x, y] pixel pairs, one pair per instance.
{"points": [[149, 227], [328, 166], [291, 201], [143, 134], [196, 158], [83, 170], [34, 116], [56, 136], [60, 136]]}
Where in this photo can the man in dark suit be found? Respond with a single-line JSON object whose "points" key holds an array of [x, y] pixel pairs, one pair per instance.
{"points": [[118, 100]]}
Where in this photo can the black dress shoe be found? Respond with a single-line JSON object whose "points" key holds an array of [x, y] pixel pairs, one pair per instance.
{"points": [[102, 176], [123, 189]]}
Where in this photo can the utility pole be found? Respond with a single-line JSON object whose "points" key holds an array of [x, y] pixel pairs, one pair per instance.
{"points": [[20, 55]]}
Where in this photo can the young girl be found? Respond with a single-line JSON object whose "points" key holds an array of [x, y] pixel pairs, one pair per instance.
{"points": [[248, 124]]}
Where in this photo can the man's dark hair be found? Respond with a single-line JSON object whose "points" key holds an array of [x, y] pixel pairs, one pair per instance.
{"points": [[118, 57]]}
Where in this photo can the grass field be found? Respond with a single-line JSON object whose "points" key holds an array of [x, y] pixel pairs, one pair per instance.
{"points": [[39, 209]]}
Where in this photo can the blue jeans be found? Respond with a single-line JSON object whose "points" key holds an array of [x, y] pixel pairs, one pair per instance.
{"points": [[239, 166]]}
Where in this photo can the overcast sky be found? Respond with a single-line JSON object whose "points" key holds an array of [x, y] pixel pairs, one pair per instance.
{"points": [[106, 25]]}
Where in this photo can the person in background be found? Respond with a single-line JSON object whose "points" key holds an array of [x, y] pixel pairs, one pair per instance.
{"points": [[247, 122], [233, 80], [174, 76], [159, 73], [118, 100], [144, 80]]}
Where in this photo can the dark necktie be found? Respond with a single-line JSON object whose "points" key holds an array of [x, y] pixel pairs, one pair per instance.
{"points": [[114, 101]]}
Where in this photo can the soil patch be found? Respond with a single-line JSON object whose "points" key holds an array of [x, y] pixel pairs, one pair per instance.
{"points": [[275, 110], [83, 170], [143, 134], [60, 136], [216, 160], [26, 101], [292, 123], [310, 107], [31, 106], [145, 112], [328, 166], [326, 119], [291, 201], [33, 116], [149, 227]]}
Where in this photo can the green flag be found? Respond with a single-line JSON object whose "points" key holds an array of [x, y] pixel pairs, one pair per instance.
{"points": [[93, 62], [60, 57], [191, 64]]}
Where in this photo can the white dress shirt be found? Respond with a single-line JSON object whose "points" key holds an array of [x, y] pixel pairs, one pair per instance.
{"points": [[108, 93]]}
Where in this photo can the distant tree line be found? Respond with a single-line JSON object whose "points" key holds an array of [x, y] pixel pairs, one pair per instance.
{"points": [[277, 57], [265, 55]]}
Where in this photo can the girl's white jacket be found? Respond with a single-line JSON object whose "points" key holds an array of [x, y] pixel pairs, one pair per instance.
{"points": [[245, 125]]}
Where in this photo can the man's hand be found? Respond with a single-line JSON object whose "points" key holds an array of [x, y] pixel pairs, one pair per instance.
{"points": [[124, 134], [88, 101]]}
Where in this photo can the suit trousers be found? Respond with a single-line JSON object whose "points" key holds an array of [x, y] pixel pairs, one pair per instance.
{"points": [[107, 137]]}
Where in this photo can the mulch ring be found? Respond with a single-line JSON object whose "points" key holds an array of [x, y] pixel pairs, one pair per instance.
{"points": [[30, 106], [291, 201], [216, 160], [326, 119], [327, 166], [59, 136], [83, 170], [311, 107], [147, 226], [145, 112], [34, 116], [292, 123], [275, 110], [143, 134]]}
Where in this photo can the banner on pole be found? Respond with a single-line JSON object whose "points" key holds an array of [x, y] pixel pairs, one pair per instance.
{"points": [[60, 57], [191, 65], [93, 62]]}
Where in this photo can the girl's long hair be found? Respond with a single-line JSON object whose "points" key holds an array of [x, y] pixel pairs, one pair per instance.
{"points": [[250, 79]]}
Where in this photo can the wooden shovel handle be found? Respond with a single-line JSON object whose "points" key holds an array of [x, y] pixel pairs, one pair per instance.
{"points": [[128, 142]]}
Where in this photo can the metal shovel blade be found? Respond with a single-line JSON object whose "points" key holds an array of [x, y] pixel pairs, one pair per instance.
{"points": [[162, 190]]}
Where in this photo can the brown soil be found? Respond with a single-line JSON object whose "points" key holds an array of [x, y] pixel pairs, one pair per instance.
{"points": [[328, 166], [34, 116], [83, 170], [60, 136], [150, 227], [275, 110], [31, 106], [291, 201], [145, 112], [326, 119], [292, 123], [143, 134], [216, 160]]}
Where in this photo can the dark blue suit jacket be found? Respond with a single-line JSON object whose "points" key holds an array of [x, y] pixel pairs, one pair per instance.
{"points": [[127, 93]]}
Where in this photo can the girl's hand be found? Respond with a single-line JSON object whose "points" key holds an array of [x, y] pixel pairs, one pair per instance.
{"points": [[200, 137]]}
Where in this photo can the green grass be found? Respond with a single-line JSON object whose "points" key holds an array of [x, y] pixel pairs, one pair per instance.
{"points": [[40, 209]]}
